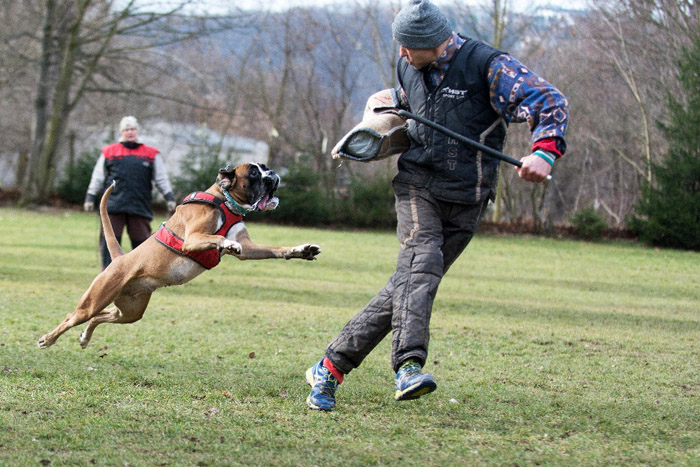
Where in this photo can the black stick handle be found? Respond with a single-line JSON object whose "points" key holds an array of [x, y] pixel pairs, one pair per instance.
{"points": [[462, 139]]}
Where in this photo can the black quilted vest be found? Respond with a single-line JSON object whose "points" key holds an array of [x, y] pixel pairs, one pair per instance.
{"points": [[132, 169], [448, 169]]}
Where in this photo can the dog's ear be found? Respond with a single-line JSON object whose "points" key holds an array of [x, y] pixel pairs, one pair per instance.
{"points": [[226, 177]]}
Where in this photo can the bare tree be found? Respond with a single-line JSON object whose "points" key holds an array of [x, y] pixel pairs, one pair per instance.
{"points": [[83, 45], [628, 50], [642, 40], [17, 82], [615, 46], [383, 51], [499, 24], [306, 82], [495, 22]]}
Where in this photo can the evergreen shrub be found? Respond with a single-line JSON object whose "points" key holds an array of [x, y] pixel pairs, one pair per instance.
{"points": [[588, 224], [74, 185], [370, 204], [668, 213], [199, 169], [302, 200]]}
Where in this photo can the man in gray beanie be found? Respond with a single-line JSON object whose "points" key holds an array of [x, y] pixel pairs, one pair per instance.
{"points": [[442, 187], [421, 25]]}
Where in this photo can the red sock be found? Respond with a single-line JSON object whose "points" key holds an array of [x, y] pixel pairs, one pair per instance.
{"points": [[334, 371]]}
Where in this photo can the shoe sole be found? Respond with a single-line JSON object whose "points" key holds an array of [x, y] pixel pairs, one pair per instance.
{"points": [[313, 406], [415, 391]]}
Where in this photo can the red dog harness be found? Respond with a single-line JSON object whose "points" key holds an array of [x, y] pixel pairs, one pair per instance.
{"points": [[207, 258]]}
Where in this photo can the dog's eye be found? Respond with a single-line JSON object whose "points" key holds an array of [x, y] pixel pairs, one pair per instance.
{"points": [[254, 172]]}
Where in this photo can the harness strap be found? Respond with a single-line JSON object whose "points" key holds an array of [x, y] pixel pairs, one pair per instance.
{"points": [[230, 217], [203, 197], [208, 258]]}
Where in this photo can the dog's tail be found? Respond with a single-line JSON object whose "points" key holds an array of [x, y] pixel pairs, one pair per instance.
{"points": [[112, 244]]}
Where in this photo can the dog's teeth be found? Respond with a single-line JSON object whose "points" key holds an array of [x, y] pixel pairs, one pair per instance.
{"points": [[272, 204]]}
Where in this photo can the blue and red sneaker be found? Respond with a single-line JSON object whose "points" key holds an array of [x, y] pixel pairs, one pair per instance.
{"points": [[411, 382], [323, 385]]}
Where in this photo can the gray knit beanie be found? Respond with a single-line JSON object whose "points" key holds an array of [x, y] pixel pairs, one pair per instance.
{"points": [[420, 25], [128, 122]]}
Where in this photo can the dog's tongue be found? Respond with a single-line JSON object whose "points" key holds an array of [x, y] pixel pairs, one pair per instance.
{"points": [[267, 203]]}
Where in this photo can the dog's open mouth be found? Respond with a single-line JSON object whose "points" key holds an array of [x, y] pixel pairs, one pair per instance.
{"points": [[267, 203]]}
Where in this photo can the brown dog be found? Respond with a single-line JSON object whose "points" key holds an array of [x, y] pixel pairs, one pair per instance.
{"points": [[207, 225]]}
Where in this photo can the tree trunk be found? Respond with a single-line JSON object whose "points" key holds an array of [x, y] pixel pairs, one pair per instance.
{"points": [[49, 134], [41, 103]]}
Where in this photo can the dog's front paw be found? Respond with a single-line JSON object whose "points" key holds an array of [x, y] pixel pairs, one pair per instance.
{"points": [[231, 247], [306, 251]]}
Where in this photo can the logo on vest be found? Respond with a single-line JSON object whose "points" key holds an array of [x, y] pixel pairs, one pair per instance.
{"points": [[454, 93]]}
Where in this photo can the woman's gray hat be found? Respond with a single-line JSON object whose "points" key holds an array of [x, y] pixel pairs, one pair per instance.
{"points": [[420, 25]]}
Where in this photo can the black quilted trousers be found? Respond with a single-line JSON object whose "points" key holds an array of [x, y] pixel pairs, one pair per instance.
{"points": [[432, 234]]}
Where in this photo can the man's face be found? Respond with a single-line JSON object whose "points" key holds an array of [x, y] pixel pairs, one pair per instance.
{"points": [[419, 58], [130, 134]]}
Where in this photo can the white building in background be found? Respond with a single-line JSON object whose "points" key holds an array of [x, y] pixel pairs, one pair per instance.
{"points": [[177, 140], [174, 140]]}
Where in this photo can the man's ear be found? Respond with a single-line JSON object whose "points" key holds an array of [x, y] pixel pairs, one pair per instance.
{"points": [[227, 177]]}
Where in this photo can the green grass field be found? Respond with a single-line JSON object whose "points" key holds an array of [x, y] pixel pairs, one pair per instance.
{"points": [[546, 352]]}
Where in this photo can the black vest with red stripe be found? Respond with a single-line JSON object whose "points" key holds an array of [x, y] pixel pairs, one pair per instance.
{"points": [[133, 170], [207, 258]]}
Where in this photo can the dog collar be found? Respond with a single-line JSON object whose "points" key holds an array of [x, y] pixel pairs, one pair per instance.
{"points": [[233, 205]]}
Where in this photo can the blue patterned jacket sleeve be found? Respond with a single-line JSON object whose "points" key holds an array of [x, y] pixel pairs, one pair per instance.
{"points": [[519, 95]]}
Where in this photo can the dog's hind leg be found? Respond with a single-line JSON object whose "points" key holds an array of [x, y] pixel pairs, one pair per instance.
{"points": [[126, 310], [103, 290]]}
